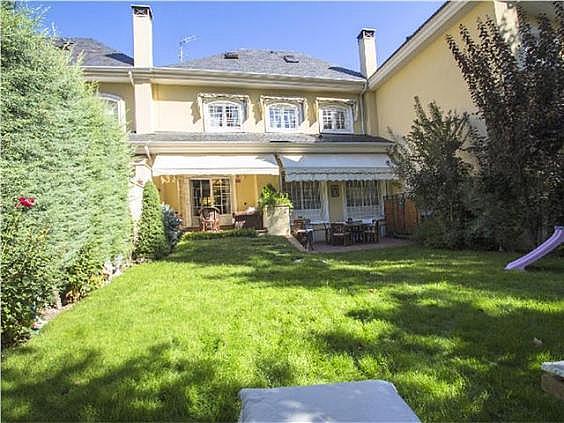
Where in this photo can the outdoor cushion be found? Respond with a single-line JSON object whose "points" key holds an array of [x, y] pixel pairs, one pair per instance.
{"points": [[367, 401]]}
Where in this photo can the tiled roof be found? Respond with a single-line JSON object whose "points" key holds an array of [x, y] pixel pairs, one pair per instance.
{"points": [[94, 53], [251, 137], [272, 62]]}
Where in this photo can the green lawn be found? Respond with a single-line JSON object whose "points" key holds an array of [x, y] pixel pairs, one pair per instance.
{"points": [[177, 339]]}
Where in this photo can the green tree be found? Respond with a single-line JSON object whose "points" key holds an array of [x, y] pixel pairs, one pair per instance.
{"points": [[151, 240], [429, 161], [520, 97], [61, 147]]}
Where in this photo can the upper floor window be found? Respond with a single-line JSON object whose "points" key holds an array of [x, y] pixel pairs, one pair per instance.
{"points": [[224, 116], [115, 106], [283, 117], [336, 119]]}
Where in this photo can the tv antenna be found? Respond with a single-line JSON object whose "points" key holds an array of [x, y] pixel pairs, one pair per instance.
{"points": [[181, 45]]}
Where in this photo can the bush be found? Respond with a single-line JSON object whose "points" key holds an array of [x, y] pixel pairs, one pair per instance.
{"points": [[59, 145], [233, 233], [83, 275], [27, 279], [172, 225], [151, 240], [428, 160], [520, 189], [270, 197]]}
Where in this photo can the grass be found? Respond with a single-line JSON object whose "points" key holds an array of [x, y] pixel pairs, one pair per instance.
{"points": [[177, 339]]}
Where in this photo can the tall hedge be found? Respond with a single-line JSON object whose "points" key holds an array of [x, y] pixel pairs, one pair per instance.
{"points": [[60, 147], [151, 240]]}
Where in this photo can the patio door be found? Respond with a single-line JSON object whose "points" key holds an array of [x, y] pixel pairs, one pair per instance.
{"points": [[211, 192], [335, 196]]}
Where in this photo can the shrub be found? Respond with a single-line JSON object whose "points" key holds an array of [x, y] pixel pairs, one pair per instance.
{"points": [[27, 279], [233, 233], [60, 145], [172, 225], [83, 275], [428, 160], [270, 197], [519, 97], [151, 240]]}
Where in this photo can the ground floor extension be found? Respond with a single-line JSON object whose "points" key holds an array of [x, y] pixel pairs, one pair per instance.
{"points": [[322, 187]]}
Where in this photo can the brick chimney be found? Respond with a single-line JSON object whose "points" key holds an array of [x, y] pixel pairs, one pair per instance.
{"points": [[367, 51]]}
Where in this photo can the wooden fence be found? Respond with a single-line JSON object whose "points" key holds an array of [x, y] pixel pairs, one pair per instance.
{"points": [[401, 215]]}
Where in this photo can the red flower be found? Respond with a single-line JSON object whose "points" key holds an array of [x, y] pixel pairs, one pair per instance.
{"points": [[27, 202]]}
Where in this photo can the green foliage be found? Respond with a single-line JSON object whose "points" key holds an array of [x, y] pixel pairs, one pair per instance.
{"points": [[83, 275], [60, 146], [27, 279], [172, 225], [233, 233], [519, 97], [151, 240], [428, 160], [270, 197]]}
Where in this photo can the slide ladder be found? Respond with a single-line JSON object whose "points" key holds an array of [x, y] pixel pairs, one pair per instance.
{"points": [[542, 250]]}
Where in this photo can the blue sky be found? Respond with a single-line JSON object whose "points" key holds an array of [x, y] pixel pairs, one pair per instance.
{"points": [[323, 29]]}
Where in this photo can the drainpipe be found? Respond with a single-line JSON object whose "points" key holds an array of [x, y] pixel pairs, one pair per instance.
{"points": [[130, 73], [364, 89], [147, 152]]}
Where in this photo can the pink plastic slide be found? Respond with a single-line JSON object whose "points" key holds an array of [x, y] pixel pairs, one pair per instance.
{"points": [[542, 250]]}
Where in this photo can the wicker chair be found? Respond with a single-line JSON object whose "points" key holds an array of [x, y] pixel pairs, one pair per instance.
{"points": [[209, 219]]}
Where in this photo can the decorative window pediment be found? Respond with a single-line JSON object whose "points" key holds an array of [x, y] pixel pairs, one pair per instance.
{"points": [[223, 112], [337, 115], [283, 114]]}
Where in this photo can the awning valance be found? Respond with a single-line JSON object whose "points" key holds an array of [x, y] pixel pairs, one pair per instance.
{"points": [[262, 164], [337, 167]]}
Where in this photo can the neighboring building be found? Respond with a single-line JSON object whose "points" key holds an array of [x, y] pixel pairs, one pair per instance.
{"points": [[214, 131]]}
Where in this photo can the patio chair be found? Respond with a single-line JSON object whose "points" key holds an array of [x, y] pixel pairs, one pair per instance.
{"points": [[303, 232], [340, 232], [372, 232], [209, 219]]}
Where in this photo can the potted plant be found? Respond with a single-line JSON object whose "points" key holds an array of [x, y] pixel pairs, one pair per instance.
{"points": [[275, 206]]}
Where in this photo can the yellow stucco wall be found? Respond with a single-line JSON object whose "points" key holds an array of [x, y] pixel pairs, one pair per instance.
{"points": [[249, 187], [125, 91], [431, 74], [176, 107]]}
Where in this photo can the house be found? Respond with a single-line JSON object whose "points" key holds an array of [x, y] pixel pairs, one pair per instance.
{"points": [[214, 131]]}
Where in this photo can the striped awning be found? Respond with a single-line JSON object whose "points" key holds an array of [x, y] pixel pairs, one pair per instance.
{"points": [[337, 167]]}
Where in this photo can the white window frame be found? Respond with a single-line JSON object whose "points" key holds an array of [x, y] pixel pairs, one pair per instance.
{"points": [[366, 204], [295, 107], [315, 214], [223, 103], [120, 106], [349, 125], [211, 180]]}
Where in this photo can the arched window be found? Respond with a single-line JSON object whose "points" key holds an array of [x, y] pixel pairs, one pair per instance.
{"points": [[337, 119], [115, 106], [282, 117], [223, 116]]}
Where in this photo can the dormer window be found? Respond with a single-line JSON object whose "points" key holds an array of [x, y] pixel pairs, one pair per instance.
{"points": [[115, 107], [336, 119], [224, 116], [282, 117]]}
